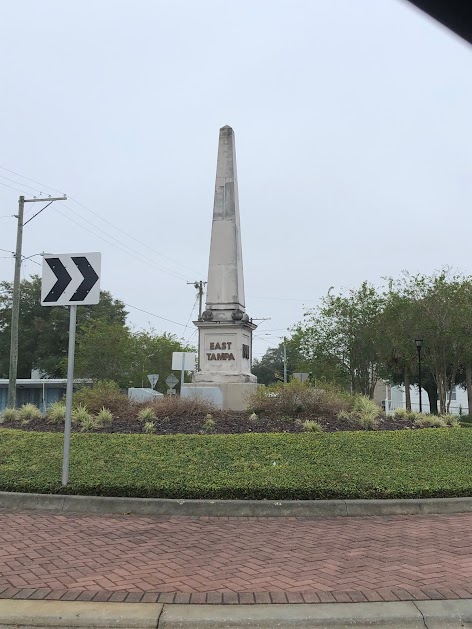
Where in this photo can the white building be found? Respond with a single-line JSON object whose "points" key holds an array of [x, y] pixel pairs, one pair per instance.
{"points": [[393, 397]]}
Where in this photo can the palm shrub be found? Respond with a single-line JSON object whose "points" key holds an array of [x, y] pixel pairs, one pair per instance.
{"points": [[27, 412], [56, 413], [149, 427]]}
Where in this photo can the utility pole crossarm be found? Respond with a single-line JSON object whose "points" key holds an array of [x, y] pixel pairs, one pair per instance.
{"points": [[43, 199]]}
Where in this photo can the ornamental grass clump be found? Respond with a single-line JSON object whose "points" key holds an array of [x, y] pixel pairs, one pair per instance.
{"points": [[366, 412], [89, 423], [450, 420], [104, 417], [209, 425], [146, 414], [429, 421], [9, 415], [311, 426], [28, 412], [149, 427], [56, 413], [84, 419], [401, 413]]}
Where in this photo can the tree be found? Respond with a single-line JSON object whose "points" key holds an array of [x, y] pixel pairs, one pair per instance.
{"points": [[438, 309], [343, 334], [153, 353], [270, 368], [44, 331]]}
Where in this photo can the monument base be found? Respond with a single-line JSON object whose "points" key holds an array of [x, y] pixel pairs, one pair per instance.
{"points": [[227, 396]]}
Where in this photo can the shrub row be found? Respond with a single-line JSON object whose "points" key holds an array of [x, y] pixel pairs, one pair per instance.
{"points": [[316, 465]]}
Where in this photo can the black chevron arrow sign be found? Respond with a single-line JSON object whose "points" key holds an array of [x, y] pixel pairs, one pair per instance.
{"points": [[71, 279]]}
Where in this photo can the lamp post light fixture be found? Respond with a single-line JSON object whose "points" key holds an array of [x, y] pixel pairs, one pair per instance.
{"points": [[419, 345]]}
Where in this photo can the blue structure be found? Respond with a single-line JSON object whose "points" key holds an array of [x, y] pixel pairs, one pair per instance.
{"points": [[39, 391]]}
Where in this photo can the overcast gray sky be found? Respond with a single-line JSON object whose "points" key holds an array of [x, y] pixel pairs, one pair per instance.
{"points": [[353, 139]]}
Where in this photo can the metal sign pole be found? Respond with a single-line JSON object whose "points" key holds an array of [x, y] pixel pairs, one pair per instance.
{"points": [[70, 387]]}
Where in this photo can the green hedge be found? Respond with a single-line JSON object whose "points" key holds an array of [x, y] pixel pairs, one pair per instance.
{"points": [[399, 464]]}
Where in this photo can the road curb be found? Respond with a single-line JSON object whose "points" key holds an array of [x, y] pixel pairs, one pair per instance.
{"points": [[78, 614], [233, 508], [399, 615]]}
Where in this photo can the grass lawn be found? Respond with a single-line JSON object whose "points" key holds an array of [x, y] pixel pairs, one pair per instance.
{"points": [[397, 464]]}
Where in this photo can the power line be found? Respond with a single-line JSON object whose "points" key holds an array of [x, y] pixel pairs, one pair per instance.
{"points": [[155, 315], [162, 268], [190, 315], [99, 216], [8, 186], [130, 236], [6, 251], [21, 184], [114, 245], [29, 179]]}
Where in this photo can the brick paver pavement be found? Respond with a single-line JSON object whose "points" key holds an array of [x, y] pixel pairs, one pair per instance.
{"points": [[234, 560]]}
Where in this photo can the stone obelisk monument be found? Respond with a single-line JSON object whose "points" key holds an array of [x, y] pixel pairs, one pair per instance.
{"points": [[225, 330]]}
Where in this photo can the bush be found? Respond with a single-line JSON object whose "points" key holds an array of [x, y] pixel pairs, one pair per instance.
{"points": [[253, 417], [296, 398], [344, 414], [104, 393], [28, 412], [149, 427], [56, 413], [146, 414], [9, 415], [173, 406], [309, 466], [311, 426], [104, 417]]}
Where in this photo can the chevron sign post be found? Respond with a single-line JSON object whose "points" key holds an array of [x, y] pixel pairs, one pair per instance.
{"points": [[70, 279]]}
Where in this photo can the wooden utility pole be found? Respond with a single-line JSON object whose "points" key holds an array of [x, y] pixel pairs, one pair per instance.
{"points": [[15, 310], [199, 286]]}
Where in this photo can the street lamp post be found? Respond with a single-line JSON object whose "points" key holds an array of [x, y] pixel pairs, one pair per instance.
{"points": [[419, 344]]}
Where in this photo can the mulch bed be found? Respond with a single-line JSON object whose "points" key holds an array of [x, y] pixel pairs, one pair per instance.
{"points": [[226, 422]]}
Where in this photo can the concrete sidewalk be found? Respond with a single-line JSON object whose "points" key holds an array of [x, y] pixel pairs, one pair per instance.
{"points": [[400, 615]]}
